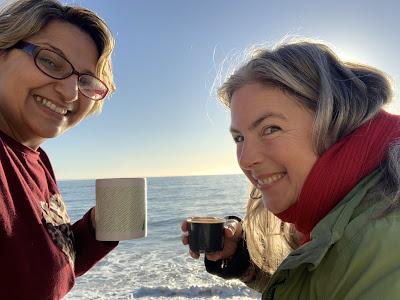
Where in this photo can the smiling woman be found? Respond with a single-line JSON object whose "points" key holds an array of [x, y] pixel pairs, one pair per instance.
{"points": [[26, 115], [266, 126], [323, 160], [55, 70]]}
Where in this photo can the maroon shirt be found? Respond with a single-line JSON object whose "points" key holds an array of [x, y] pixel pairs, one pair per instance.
{"points": [[40, 251]]}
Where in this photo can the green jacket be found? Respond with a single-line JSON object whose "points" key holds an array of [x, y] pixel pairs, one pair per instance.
{"points": [[354, 253]]}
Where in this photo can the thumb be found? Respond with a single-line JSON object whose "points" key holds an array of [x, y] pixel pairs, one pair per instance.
{"points": [[231, 227]]}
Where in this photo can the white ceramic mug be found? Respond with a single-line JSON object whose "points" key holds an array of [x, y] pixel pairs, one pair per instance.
{"points": [[121, 209]]}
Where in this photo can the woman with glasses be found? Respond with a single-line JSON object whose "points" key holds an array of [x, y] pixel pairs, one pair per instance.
{"points": [[322, 157], [55, 70]]}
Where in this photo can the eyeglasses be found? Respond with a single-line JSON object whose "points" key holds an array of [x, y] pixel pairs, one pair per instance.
{"points": [[58, 67]]}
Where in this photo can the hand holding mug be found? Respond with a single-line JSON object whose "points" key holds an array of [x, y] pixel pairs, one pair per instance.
{"points": [[232, 234]]}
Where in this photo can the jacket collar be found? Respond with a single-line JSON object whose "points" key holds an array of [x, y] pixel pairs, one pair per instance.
{"points": [[331, 228]]}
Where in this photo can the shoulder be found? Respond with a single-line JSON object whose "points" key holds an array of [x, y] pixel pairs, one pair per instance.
{"points": [[375, 240], [365, 262], [46, 162], [376, 229]]}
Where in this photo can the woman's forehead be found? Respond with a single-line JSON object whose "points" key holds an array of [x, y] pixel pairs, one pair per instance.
{"points": [[73, 43]]}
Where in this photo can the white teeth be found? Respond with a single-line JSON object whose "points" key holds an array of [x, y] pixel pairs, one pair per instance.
{"points": [[270, 179], [50, 105]]}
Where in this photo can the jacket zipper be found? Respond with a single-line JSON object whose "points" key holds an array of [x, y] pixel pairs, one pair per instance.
{"points": [[272, 289]]}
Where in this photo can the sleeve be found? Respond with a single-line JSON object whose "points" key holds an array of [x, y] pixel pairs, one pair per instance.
{"points": [[233, 267], [239, 266], [89, 251]]}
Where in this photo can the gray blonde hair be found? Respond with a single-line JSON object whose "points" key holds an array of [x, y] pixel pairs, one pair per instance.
{"points": [[23, 18], [342, 95]]}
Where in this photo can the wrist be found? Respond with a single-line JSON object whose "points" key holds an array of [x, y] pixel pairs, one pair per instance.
{"points": [[237, 266], [250, 273], [233, 267]]}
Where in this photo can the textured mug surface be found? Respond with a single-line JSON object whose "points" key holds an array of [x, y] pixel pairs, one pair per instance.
{"points": [[121, 209]]}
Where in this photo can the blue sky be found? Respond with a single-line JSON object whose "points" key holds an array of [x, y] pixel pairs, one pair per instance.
{"points": [[163, 120]]}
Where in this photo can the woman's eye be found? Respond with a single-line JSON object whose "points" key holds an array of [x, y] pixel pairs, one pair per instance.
{"points": [[238, 139], [48, 63], [270, 130], [84, 83]]}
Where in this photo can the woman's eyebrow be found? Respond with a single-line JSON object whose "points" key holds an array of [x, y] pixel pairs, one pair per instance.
{"points": [[55, 49], [59, 51], [257, 122]]}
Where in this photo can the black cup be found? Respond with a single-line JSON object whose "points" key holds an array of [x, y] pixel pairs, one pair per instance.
{"points": [[206, 234]]}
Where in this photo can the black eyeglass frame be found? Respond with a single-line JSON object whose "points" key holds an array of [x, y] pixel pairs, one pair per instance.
{"points": [[34, 50]]}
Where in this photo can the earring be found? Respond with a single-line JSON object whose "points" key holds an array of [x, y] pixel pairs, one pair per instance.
{"points": [[252, 194]]}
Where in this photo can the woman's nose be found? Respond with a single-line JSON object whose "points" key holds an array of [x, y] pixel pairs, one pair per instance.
{"points": [[68, 88], [249, 154]]}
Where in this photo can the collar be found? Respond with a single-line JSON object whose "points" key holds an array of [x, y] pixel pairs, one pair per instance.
{"points": [[331, 228]]}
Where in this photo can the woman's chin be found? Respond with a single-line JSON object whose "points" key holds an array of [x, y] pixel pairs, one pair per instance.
{"points": [[275, 207]]}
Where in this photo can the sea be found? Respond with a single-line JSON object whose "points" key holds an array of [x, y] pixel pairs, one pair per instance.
{"points": [[159, 266]]}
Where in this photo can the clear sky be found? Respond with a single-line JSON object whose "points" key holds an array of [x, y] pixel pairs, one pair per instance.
{"points": [[162, 120]]}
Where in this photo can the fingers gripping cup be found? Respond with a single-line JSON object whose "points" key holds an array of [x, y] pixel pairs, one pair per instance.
{"points": [[121, 209], [206, 234]]}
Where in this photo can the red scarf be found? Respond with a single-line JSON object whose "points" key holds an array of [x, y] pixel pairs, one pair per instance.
{"points": [[339, 169]]}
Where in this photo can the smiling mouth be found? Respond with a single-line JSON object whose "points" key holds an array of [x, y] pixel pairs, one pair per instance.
{"points": [[271, 179], [50, 105]]}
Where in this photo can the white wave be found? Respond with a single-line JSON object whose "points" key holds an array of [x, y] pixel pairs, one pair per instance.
{"points": [[197, 292], [129, 274]]}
